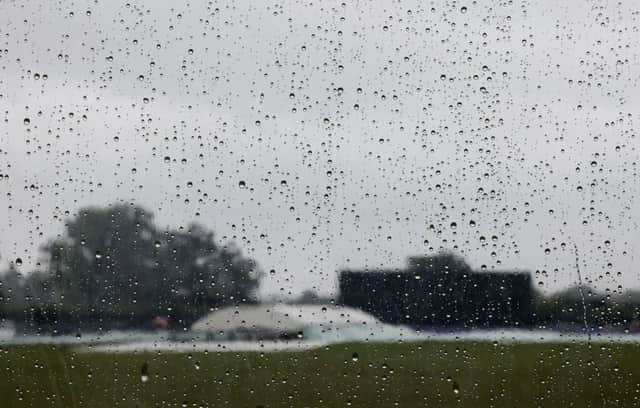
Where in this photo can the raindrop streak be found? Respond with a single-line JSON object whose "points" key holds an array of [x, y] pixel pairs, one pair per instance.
{"points": [[586, 323], [144, 373]]}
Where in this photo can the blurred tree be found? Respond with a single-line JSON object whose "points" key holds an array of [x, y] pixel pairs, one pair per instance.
{"points": [[104, 259], [112, 262], [198, 274], [12, 296], [311, 297]]}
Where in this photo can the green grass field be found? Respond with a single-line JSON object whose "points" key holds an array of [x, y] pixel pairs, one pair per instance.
{"points": [[433, 374]]}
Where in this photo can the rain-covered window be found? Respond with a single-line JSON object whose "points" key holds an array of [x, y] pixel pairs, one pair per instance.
{"points": [[316, 203]]}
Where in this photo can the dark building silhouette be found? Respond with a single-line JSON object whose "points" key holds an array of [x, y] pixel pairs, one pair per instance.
{"points": [[440, 290]]}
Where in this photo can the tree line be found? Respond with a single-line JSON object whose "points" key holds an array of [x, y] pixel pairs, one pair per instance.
{"points": [[113, 267], [113, 264]]}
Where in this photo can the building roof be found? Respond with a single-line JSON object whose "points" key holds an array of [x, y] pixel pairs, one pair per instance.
{"points": [[282, 317]]}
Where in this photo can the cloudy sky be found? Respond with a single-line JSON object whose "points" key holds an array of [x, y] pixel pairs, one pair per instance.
{"points": [[324, 135]]}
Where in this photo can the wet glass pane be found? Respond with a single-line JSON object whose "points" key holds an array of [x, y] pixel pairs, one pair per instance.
{"points": [[221, 203]]}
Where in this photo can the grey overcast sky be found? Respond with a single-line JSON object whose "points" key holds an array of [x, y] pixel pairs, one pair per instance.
{"points": [[363, 132]]}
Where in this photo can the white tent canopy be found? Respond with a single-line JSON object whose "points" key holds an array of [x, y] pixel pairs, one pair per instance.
{"points": [[282, 317]]}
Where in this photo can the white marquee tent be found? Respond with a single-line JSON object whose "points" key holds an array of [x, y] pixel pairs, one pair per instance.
{"points": [[282, 318]]}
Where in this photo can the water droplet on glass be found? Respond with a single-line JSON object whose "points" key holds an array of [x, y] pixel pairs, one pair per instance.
{"points": [[144, 373]]}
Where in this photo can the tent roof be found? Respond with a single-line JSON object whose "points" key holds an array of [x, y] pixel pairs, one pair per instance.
{"points": [[282, 317]]}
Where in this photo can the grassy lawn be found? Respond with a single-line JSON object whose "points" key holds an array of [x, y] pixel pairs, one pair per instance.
{"points": [[433, 374]]}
